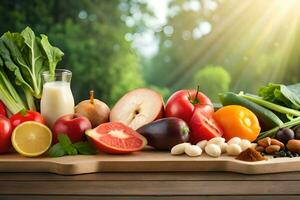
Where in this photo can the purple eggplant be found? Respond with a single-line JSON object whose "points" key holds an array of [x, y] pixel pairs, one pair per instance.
{"points": [[165, 133]]}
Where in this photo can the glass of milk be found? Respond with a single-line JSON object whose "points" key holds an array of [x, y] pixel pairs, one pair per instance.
{"points": [[57, 98]]}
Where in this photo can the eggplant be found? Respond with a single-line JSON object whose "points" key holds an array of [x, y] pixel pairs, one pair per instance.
{"points": [[165, 133]]}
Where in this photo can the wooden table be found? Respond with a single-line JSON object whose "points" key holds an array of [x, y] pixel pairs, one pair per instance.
{"points": [[194, 185]]}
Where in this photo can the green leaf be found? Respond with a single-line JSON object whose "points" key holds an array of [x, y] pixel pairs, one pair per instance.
{"points": [[56, 151], [53, 54], [13, 59], [66, 144], [11, 55], [35, 59], [8, 94], [288, 96], [85, 148]]}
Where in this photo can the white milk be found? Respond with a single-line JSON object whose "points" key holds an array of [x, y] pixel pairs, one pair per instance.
{"points": [[57, 100]]}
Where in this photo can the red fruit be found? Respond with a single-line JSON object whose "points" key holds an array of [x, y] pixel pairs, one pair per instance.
{"points": [[73, 125], [5, 134], [116, 138], [24, 116], [203, 128], [3, 109], [183, 103]]}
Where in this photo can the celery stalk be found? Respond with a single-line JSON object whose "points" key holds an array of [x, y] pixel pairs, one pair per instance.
{"points": [[9, 95], [30, 100]]}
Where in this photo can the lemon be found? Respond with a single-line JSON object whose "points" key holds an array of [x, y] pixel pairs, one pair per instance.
{"points": [[31, 139]]}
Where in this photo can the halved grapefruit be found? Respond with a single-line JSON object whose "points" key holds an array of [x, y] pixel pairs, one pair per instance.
{"points": [[116, 138]]}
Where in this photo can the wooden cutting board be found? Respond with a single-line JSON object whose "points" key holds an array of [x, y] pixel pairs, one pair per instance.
{"points": [[145, 161]]}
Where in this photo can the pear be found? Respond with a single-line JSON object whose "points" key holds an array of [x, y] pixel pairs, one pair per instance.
{"points": [[93, 109]]}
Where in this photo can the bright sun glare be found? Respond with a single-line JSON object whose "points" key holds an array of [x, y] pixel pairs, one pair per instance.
{"points": [[266, 31], [272, 23]]}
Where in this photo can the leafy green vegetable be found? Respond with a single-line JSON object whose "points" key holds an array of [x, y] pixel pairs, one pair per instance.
{"points": [[8, 94], [288, 96], [66, 144], [53, 54], [27, 57], [84, 148], [56, 151], [65, 147]]}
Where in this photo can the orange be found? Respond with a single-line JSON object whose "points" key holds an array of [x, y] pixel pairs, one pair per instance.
{"points": [[237, 121]]}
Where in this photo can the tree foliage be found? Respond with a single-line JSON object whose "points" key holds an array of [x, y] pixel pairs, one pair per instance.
{"points": [[255, 46], [91, 35], [212, 80]]}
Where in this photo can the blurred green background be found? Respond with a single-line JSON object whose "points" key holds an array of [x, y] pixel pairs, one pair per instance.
{"points": [[113, 46]]}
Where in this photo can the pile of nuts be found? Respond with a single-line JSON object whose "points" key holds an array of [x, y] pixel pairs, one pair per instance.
{"points": [[274, 147], [269, 145], [214, 147]]}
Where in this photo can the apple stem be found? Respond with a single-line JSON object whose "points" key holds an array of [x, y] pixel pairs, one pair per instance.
{"points": [[92, 96], [196, 100]]}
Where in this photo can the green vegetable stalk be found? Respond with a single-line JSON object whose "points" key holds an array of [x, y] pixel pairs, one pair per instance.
{"points": [[271, 133], [8, 94], [270, 105], [27, 56]]}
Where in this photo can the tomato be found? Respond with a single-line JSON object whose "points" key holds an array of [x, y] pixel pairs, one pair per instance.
{"points": [[3, 109], [5, 134], [237, 121], [24, 116], [116, 138], [196, 110], [183, 102], [203, 128]]}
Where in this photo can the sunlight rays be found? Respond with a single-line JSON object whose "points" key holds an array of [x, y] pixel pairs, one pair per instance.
{"points": [[182, 75], [279, 18], [255, 42], [264, 29]]}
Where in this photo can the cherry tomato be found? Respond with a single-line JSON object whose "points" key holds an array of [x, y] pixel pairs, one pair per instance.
{"points": [[5, 134], [237, 121], [25, 116], [183, 102], [203, 128], [3, 109]]}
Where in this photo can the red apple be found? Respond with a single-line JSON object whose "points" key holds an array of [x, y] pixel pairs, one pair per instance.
{"points": [[137, 108], [5, 134], [73, 125]]}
